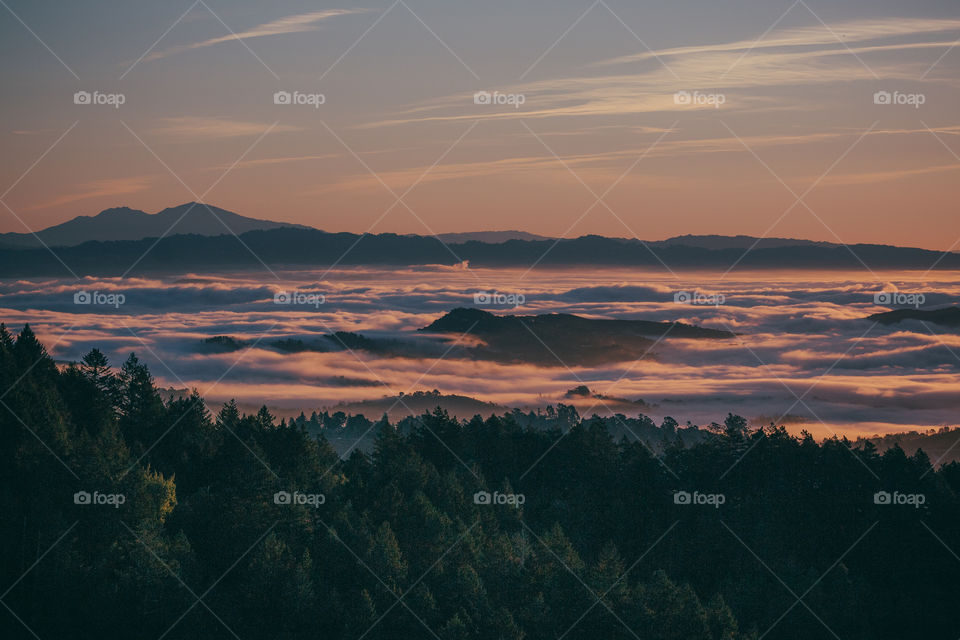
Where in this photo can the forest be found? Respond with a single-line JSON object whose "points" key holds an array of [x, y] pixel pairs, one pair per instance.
{"points": [[126, 515]]}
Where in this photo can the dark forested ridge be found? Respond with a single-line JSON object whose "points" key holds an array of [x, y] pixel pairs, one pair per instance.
{"points": [[125, 516], [309, 247]]}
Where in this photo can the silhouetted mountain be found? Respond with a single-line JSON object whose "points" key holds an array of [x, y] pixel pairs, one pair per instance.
{"points": [[561, 339], [304, 247], [491, 237], [947, 316], [124, 223], [738, 242]]}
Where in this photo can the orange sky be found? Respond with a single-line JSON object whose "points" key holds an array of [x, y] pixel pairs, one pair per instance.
{"points": [[623, 120]]}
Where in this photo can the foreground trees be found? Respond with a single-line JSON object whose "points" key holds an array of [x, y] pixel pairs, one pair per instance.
{"points": [[127, 516]]}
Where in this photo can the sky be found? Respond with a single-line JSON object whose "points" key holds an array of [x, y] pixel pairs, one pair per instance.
{"points": [[813, 119]]}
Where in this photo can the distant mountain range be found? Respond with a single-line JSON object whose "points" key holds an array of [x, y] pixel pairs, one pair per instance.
{"points": [[197, 238], [123, 223]]}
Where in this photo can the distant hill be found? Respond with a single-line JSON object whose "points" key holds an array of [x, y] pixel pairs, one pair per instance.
{"points": [[492, 237], [109, 243], [947, 316], [941, 445], [123, 223], [560, 339], [738, 242]]}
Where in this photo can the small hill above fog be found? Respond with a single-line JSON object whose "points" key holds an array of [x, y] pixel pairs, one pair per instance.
{"points": [[947, 317], [559, 339]]}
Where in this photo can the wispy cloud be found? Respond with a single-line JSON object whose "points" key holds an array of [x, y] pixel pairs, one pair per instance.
{"points": [[752, 74], [290, 24], [192, 127], [99, 188]]}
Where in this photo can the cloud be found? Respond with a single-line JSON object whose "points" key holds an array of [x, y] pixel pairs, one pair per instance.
{"points": [[192, 127], [98, 188], [290, 24]]}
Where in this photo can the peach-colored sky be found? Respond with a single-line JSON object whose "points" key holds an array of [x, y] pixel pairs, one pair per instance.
{"points": [[625, 120]]}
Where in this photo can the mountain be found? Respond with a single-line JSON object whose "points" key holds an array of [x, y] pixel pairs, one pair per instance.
{"points": [[560, 339], [198, 243], [124, 223], [490, 237], [947, 316], [738, 242]]}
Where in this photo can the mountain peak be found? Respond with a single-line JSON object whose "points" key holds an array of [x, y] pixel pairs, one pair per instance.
{"points": [[125, 223]]}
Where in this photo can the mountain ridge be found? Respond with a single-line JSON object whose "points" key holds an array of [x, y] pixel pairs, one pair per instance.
{"points": [[128, 224]]}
